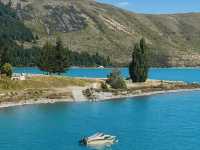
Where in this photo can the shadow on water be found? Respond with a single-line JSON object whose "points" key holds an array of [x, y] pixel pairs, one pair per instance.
{"points": [[102, 147]]}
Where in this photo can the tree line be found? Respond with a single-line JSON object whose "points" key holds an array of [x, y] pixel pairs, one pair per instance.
{"points": [[55, 58], [19, 57]]}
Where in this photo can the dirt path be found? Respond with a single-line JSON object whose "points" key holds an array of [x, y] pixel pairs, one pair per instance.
{"points": [[78, 94]]}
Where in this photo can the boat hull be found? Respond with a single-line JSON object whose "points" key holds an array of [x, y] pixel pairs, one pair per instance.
{"points": [[101, 142]]}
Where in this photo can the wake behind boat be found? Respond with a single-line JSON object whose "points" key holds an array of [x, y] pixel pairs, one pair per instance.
{"points": [[99, 139]]}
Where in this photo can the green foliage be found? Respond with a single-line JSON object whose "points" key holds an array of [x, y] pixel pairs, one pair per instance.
{"points": [[24, 57], [62, 61], [54, 59], [7, 70], [138, 68], [115, 80], [44, 59], [18, 56]]}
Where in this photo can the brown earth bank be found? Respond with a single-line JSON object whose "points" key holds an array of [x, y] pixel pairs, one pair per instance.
{"points": [[47, 89]]}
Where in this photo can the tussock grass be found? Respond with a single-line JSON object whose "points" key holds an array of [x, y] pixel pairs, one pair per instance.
{"points": [[40, 82]]}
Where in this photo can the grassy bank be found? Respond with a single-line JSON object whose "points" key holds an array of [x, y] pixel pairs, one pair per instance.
{"points": [[39, 87], [41, 82], [45, 89]]}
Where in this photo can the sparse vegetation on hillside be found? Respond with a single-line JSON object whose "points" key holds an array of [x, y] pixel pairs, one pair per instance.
{"points": [[110, 31], [13, 34], [89, 26]]}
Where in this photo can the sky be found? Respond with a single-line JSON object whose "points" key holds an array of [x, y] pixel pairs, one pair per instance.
{"points": [[157, 6]]}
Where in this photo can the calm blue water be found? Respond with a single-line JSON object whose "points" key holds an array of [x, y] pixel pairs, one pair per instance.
{"points": [[161, 122], [183, 74]]}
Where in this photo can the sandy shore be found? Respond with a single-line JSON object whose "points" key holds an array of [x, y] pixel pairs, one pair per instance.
{"points": [[103, 97]]}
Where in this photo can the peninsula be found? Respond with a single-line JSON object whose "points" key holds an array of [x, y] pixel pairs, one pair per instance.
{"points": [[23, 43], [42, 89]]}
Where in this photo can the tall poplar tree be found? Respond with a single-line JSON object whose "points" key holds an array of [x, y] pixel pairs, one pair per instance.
{"points": [[138, 68]]}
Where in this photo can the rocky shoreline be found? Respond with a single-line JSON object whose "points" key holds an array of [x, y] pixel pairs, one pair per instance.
{"points": [[45, 90], [104, 97]]}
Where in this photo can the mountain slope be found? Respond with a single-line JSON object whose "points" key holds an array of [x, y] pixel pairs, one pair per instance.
{"points": [[85, 25], [12, 34], [11, 28]]}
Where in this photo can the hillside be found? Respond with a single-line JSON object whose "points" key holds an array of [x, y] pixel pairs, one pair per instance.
{"points": [[85, 25], [13, 33], [11, 28]]}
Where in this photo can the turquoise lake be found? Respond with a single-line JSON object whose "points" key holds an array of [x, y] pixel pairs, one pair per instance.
{"points": [[182, 74], [158, 122]]}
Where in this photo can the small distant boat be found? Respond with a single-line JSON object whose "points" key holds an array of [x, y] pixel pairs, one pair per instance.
{"points": [[99, 139], [101, 67]]}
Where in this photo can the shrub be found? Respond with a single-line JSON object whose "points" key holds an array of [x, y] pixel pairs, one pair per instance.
{"points": [[89, 93], [115, 80], [7, 70], [104, 86]]}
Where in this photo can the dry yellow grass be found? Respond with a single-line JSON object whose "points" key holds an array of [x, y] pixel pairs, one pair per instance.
{"points": [[42, 82], [39, 87]]}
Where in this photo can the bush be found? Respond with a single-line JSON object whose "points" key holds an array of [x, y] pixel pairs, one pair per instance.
{"points": [[104, 86], [7, 70], [115, 80], [89, 93]]}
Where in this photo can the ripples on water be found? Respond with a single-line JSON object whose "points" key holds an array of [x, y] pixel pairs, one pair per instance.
{"points": [[161, 122]]}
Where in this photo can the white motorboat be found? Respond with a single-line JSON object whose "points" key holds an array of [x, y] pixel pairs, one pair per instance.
{"points": [[99, 139]]}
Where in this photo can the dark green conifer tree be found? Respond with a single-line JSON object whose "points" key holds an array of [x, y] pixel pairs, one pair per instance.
{"points": [[4, 56], [61, 59], [44, 60], [138, 68], [54, 59]]}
